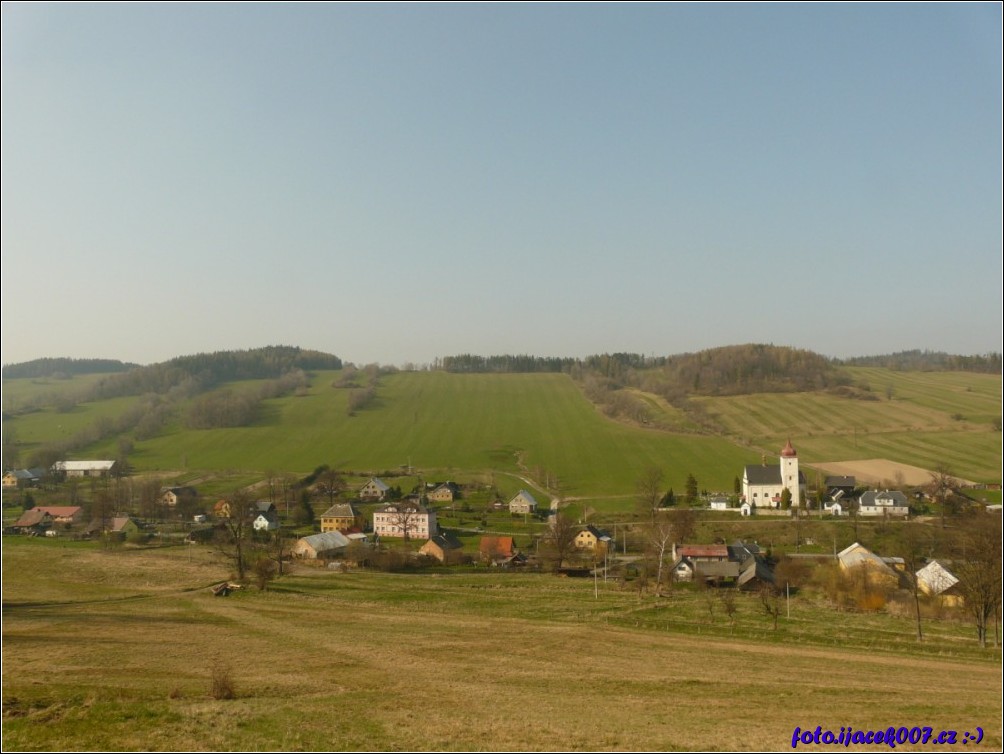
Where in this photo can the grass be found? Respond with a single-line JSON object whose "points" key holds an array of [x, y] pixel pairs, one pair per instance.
{"points": [[467, 661], [541, 426], [919, 426], [447, 422]]}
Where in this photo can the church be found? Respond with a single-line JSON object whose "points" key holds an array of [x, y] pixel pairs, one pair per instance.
{"points": [[763, 484]]}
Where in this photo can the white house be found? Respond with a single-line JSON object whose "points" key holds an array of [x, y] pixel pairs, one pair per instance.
{"points": [[763, 485], [523, 502], [718, 503], [266, 522], [887, 503], [374, 489], [405, 518]]}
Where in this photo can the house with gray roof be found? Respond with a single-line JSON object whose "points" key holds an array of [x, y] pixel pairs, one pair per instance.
{"points": [[374, 489], [322, 545], [887, 503], [523, 502]]}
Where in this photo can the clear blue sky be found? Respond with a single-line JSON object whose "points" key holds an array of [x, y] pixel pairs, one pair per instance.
{"points": [[393, 183]]}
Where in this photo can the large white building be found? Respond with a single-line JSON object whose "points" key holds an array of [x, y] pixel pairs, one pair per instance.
{"points": [[405, 518], [763, 484]]}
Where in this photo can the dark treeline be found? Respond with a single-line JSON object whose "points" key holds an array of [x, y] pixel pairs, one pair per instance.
{"points": [[929, 361], [207, 370], [718, 371], [522, 363], [63, 368]]}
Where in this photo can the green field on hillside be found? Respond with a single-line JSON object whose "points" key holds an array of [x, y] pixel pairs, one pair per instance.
{"points": [[932, 418], [442, 422], [540, 426], [117, 650]]}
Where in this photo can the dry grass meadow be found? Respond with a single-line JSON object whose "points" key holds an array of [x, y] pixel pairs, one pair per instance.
{"points": [[116, 650]]}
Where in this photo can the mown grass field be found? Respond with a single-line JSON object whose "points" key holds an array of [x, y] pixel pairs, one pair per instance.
{"points": [[115, 650], [442, 422], [932, 418]]}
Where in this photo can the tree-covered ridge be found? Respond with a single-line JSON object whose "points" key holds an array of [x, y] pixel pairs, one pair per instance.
{"points": [[203, 371], [753, 368], [63, 367], [930, 361]]}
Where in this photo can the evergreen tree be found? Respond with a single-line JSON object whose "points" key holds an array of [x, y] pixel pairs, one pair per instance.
{"points": [[691, 489]]}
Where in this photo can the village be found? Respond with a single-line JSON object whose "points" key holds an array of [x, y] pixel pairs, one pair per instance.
{"points": [[376, 523]]}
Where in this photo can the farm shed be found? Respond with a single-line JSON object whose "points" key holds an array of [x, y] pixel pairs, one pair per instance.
{"points": [[320, 545]]}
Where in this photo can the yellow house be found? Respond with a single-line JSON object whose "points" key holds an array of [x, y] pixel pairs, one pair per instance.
{"points": [[338, 517], [442, 494], [591, 538]]}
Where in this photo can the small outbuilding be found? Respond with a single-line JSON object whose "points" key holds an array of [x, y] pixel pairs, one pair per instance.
{"points": [[326, 544]]}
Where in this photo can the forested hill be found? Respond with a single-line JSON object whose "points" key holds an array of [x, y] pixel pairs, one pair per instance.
{"points": [[206, 370], [754, 368], [63, 368], [728, 370], [930, 361]]}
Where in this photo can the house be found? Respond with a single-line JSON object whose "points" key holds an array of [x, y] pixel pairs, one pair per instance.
{"points": [[888, 504], [169, 496], [63, 514], [496, 550], [763, 485], [740, 563], [405, 518], [267, 521], [701, 553], [22, 478], [523, 502], [834, 509], [84, 468], [839, 486], [442, 547], [937, 581], [339, 517], [374, 489], [746, 509], [120, 525], [590, 538], [444, 492], [320, 545], [718, 503], [33, 521], [858, 559]]}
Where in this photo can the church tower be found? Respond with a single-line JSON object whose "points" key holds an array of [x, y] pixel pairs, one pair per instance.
{"points": [[789, 474]]}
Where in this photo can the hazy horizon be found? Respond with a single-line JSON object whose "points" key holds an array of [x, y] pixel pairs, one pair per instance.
{"points": [[394, 183]]}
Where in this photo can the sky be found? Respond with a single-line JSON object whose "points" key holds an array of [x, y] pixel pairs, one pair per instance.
{"points": [[394, 183]]}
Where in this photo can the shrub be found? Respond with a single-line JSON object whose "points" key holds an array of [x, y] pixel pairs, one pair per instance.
{"points": [[221, 685]]}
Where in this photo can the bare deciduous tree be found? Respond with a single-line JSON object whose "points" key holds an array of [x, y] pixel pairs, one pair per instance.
{"points": [[729, 605], [770, 599], [649, 492], [235, 542], [559, 542], [978, 568], [330, 483]]}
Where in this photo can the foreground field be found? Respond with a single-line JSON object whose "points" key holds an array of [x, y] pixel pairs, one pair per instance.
{"points": [[116, 649]]}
